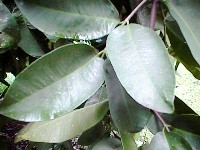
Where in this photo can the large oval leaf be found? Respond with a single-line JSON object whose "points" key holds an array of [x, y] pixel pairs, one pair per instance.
{"points": [[89, 19], [123, 109], [142, 65], [9, 31], [65, 127], [55, 84], [186, 13]]}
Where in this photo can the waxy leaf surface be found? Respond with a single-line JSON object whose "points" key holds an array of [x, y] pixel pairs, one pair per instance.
{"points": [[87, 19], [54, 84], [142, 65]]}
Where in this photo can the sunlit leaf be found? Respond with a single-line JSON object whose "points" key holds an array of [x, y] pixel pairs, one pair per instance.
{"points": [[9, 31], [124, 110], [186, 13], [65, 127], [88, 19], [142, 65], [54, 84]]}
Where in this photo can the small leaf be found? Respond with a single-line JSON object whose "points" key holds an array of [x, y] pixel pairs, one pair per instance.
{"points": [[186, 13], [128, 141], [88, 19], [28, 43], [54, 84], [9, 31], [65, 127], [142, 65], [124, 110]]}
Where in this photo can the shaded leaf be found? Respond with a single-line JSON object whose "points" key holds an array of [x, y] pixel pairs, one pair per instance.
{"points": [[68, 18], [54, 84], [9, 31], [128, 141], [176, 142], [178, 43], [186, 13], [142, 65], [91, 135], [28, 43], [192, 139], [127, 114], [108, 144], [158, 143], [189, 123], [100, 95], [144, 15], [65, 127]]}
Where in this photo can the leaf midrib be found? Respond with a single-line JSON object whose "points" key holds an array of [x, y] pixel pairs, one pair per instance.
{"points": [[75, 70]]}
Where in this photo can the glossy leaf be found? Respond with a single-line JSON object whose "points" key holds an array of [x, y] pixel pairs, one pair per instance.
{"points": [[9, 31], [127, 114], [128, 141], [66, 18], [28, 43], [108, 144], [65, 127], [54, 84], [186, 13], [142, 65]]}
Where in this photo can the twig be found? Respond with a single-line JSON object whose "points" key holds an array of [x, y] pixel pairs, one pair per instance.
{"points": [[162, 120], [133, 12], [153, 14]]}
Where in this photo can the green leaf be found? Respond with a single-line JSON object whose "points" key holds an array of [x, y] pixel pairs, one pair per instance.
{"points": [[178, 43], [28, 43], [108, 144], [65, 127], [192, 139], [176, 141], [186, 13], [9, 31], [124, 110], [87, 19], [91, 135], [54, 84], [142, 65], [128, 141], [158, 143]]}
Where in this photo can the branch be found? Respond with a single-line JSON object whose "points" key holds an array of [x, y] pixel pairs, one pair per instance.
{"points": [[133, 12], [162, 120], [154, 9]]}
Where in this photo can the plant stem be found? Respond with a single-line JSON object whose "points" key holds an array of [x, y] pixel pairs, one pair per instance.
{"points": [[133, 12], [154, 9], [162, 120]]}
